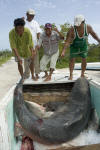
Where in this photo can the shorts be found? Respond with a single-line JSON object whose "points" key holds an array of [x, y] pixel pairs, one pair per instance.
{"points": [[27, 62], [83, 55], [46, 59], [78, 53]]}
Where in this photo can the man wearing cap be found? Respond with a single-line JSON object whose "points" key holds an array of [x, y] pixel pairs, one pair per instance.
{"points": [[22, 46], [77, 40], [35, 30], [50, 42]]}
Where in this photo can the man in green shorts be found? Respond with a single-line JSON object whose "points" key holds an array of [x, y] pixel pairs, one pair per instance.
{"points": [[77, 38], [22, 46]]}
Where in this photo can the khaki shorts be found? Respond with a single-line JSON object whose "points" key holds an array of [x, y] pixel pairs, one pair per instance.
{"points": [[46, 59], [27, 62]]}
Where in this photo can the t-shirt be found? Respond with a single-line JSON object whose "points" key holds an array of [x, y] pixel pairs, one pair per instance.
{"points": [[50, 44], [34, 27], [21, 43]]}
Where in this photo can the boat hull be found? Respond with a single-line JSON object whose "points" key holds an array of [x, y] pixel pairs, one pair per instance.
{"points": [[7, 139]]}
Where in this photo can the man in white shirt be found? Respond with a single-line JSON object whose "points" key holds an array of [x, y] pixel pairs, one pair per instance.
{"points": [[35, 31]]}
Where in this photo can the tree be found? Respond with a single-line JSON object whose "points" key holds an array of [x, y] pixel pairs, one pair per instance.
{"points": [[42, 27], [64, 28]]}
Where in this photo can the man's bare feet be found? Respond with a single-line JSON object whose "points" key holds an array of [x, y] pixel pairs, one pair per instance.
{"points": [[37, 76], [84, 76], [48, 78], [34, 78], [71, 77], [45, 76]]}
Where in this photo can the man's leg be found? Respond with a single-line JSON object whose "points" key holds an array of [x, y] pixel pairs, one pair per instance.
{"points": [[43, 63], [83, 66], [71, 67], [20, 68], [37, 65], [53, 61], [32, 69], [27, 67], [46, 74], [48, 78]]}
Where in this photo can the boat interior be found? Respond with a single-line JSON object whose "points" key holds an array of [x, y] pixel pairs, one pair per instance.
{"points": [[44, 93]]}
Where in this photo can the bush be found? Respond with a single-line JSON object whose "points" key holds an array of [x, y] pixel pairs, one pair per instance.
{"points": [[5, 55]]}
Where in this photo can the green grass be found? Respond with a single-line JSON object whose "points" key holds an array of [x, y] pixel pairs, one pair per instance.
{"points": [[4, 60], [5, 55]]}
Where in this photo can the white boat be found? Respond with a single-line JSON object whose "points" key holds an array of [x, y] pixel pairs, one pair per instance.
{"points": [[7, 139]]}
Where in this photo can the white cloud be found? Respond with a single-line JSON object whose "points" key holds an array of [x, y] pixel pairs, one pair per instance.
{"points": [[44, 4], [74, 1], [97, 2], [86, 5], [92, 2]]}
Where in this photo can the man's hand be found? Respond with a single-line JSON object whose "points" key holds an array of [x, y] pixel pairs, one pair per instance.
{"points": [[60, 34], [55, 29], [33, 53], [37, 47]]}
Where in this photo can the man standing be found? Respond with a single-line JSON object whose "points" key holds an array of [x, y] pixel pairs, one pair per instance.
{"points": [[22, 46], [77, 40], [35, 30], [50, 42]]}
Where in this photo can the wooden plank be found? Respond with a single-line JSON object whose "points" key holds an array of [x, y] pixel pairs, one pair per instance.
{"points": [[46, 97], [48, 87]]}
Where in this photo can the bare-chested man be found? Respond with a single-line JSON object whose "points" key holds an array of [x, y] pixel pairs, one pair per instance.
{"points": [[77, 40]]}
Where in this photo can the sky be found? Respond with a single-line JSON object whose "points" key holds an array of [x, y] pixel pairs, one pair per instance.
{"points": [[53, 11]]}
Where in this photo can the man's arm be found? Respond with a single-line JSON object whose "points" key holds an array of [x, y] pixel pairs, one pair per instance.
{"points": [[39, 43], [16, 52], [38, 30], [93, 34], [33, 52], [68, 41], [17, 55], [60, 34], [38, 35], [13, 46], [31, 45]]}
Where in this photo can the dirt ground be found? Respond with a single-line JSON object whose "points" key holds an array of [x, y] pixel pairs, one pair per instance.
{"points": [[9, 75]]}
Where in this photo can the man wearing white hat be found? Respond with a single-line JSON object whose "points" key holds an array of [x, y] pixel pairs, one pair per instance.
{"points": [[77, 40], [35, 31]]}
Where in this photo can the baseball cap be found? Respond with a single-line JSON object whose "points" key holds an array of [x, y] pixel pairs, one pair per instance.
{"points": [[31, 12], [48, 25], [78, 20]]}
